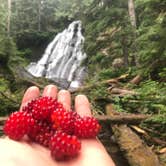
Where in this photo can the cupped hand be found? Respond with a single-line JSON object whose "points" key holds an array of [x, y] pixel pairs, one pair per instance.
{"points": [[13, 153]]}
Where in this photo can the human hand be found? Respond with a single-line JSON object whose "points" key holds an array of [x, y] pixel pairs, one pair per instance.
{"points": [[24, 153]]}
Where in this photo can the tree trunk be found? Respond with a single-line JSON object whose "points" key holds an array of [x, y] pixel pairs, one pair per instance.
{"points": [[8, 17], [116, 119], [125, 52], [39, 15], [123, 119], [131, 9]]}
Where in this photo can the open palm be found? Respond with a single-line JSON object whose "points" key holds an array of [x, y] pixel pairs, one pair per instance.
{"points": [[25, 153]]}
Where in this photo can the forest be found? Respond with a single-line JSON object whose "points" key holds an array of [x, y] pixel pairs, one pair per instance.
{"points": [[125, 44]]}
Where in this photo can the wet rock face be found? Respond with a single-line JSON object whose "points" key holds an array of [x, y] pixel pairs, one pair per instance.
{"points": [[63, 57]]}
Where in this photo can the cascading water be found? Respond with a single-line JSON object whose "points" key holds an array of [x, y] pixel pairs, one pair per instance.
{"points": [[63, 57]]}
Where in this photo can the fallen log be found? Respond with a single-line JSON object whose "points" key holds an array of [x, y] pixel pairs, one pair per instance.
{"points": [[147, 137], [135, 150], [84, 88], [122, 92], [151, 130], [123, 119], [161, 151], [136, 80], [113, 81]]}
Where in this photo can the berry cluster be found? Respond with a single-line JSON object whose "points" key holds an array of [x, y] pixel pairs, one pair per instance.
{"points": [[45, 121]]}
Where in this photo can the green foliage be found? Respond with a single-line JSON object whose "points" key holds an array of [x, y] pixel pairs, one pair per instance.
{"points": [[31, 44], [2, 17], [26, 53], [7, 49], [96, 93], [46, 14], [97, 58], [118, 104], [160, 117], [71, 9], [110, 73], [151, 99], [27, 15], [28, 38], [162, 73], [6, 98], [151, 52], [109, 35], [3, 84], [18, 61], [153, 91], [152, 38], [155, 95], [7, 107]]}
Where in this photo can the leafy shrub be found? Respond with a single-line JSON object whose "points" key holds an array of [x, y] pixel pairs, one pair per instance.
{"points": [[3, 84], [97, 58], [32, 38], [7, 49], [110, 73], [26, 53]]}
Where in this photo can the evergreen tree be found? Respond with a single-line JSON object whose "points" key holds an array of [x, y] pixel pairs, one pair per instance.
{"points": [[152, 35]]}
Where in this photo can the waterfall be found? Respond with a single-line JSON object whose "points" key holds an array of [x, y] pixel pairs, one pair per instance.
{"points": [[63, 57]]}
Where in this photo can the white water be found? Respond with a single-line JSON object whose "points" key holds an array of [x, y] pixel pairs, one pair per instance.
{"points": [[63, 57]]}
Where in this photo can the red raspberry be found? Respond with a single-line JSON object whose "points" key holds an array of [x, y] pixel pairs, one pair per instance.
{"points": [[42, 107], [63, 146], [86, 127], [28, 108], [18, 124], [46, 122], [63, 120], [44, 138], [41, 133]]}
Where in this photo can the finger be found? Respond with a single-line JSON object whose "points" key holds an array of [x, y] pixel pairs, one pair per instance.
{"points": [[50, 90], [64, 97], [31, 93], [82, 105]]}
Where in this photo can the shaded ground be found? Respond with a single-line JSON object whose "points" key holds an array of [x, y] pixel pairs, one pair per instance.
{"points": [[112, 148]]}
